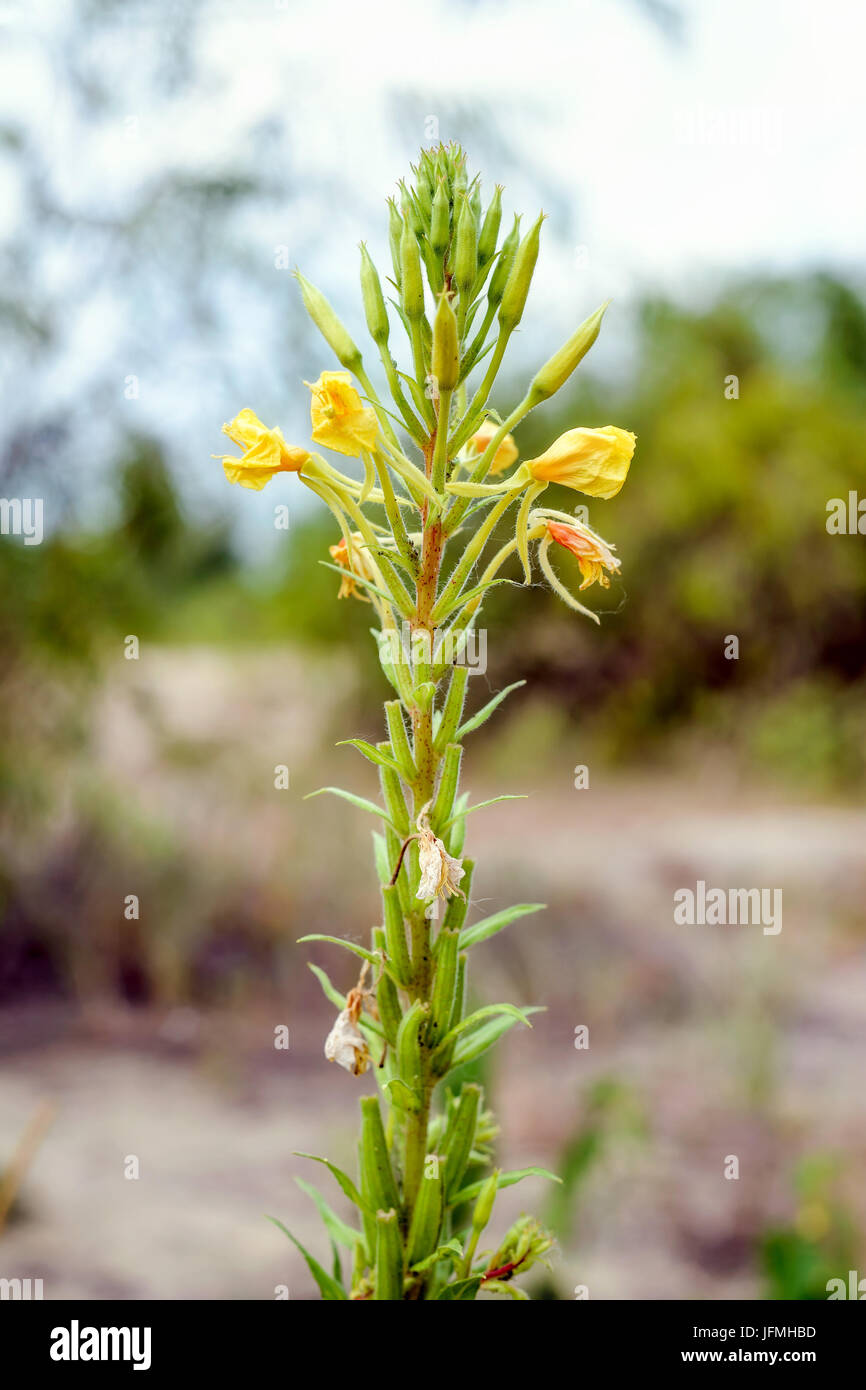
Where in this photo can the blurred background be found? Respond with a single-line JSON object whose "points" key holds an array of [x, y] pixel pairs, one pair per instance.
{"points": [[163, 168]]}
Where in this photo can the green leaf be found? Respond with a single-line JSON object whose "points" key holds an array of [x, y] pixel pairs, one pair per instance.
{"points": [[484, 714], [333, 995], [463, 1291], [452, 1251], [484, 1037], [469, 594], [330, 1290], [337, 1229], [489, 926], [402, 1096], [349, 945], [346, 1184], [473, 1021], [479, 806], [361, 802], [371, 753], [468, 1194]]}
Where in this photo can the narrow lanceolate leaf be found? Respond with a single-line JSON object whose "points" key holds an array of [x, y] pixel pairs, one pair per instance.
{"points": [[345, 1182], [337, 1229], [480, 805], [463, 1291], [477, 1043], [333, 995], [452, 1250], [330, 1290], [338, 941], [373, 755], [484, 714], [489, 926], [361, 802], [469, 1194], [474, 1021]]}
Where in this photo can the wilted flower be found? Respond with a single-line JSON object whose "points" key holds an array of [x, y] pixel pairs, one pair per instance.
{"points": [[346, 1044], [340, 419], [591, 461], [505, 455], [594, 555], [357, 563], [265, 452], [440, 871]]}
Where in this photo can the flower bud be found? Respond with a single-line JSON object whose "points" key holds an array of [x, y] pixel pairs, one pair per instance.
{"points": [[560, 366], [490, 229], [395, 233], [484, 1206], [465, 256], [330, 327], [412, 284], [440, 221], [445, 356], [502, 268], [374, 301], [517, 289]]}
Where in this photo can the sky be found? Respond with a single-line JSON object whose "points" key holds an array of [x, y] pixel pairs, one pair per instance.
{"points": [[667, 157]]}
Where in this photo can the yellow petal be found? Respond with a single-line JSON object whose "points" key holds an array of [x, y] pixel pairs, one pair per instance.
{"points": [[594, 461]]}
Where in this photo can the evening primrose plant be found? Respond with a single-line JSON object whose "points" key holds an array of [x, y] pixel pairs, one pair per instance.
{"points": [[418, 537]]}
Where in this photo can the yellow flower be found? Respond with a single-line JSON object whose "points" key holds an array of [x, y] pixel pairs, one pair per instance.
{"points": [[594, 555], [265, 452], [505, 455], [591, 461], [340, 421]]}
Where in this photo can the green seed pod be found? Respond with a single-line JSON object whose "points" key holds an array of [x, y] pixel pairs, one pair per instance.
{"points": [[374, 301], [490, 229], [399, 741], [484, 1206], [368, 1219], [440, 221], [389, 1257], [460, 1136], [452, 709], [517, 289], [392, 795], [408, 1049], [445, 350], [389, 1007], [475, 201], [412, 285], [502, 268], [427, 1216], [459, 992], [395, 234], [395, 936], [560, 366], [443, 806], [464, 258], [330, 327], [377, 1177], [442, 998]]}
